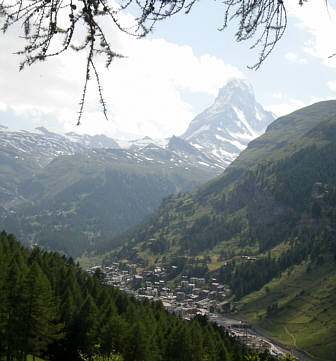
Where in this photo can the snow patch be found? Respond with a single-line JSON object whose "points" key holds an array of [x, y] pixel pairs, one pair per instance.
{"points": [[197, 146], [243, 120], [203, 163], [237, 144], [242, 136], [141, 143], [258, 115]]}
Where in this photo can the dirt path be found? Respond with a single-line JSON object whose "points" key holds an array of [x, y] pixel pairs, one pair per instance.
{"points": [[292, 336]]}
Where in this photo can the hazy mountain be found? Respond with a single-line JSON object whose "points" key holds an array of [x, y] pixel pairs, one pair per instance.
{"points": [[78, 199], [216, 136], [142, 142], [39, 146], [24, 153], [59, 186], [58, 192]]}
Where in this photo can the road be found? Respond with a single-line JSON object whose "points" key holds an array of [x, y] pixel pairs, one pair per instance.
{"points": [[238, 328]]}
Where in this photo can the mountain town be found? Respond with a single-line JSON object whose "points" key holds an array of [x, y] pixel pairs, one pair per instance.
{"points": [[189, 298]]}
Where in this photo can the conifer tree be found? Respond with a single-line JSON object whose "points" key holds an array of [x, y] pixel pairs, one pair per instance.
{"points": [[2, 297], [71, 282], [87, 326], [122, 327], [38, 313], [67, 308], [179, 344], [13, 303], [209, 345], [197, 340], [137, 344]]}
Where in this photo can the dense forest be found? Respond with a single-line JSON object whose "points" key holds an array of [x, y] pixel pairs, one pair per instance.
{"points": [[51, 308]]}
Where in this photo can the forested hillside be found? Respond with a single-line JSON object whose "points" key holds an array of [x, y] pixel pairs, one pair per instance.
{"points": [[51, 308], [77, 200], [272, 212], [278, 188]]}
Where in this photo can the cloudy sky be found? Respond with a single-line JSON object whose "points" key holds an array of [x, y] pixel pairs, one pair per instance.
{"points": [[172, 75]]}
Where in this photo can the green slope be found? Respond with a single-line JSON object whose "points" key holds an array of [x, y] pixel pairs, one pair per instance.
{"points": [[287, 134], [14, 167], [306, 313]]}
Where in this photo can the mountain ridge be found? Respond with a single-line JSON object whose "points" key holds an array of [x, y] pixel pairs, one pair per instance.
{"points": [[49, 178], [268, 222]]}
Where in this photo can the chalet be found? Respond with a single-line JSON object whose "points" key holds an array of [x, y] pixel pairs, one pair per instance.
{"points": [[193, 280], [223, 307], [137, 280], [212, 295], [184, 284], [180, 296], [214, 286], [200, 282]]}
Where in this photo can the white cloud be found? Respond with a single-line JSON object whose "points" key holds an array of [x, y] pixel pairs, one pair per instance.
{"points": [[144, 92], [290, 56], [332, 85], [319, 19], [153, 79], [294, 58], [289, 105], [3, 107], [277, 95], [284, 108]]}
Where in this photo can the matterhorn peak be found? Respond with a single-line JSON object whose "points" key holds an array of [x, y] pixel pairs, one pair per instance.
{"points": [[235, 83], [227, 126], [236, 92]]}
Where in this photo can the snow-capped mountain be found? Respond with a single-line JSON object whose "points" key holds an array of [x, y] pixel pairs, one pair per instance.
{"points": [[215, 137], [92, 141], [224, 129], [42, 145], [213, 140], [101, 186], [142, 142]]}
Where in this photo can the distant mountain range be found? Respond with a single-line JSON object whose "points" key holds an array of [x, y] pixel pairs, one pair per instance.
{"points": [[65, 191], [213, 139], [217, 135]]}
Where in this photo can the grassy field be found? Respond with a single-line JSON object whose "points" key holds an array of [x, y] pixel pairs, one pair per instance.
{"points": [[87, 262], [306, 314]]}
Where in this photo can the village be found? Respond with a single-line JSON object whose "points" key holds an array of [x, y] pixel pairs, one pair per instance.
{"points": [[192, 296], [188, 298]]}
